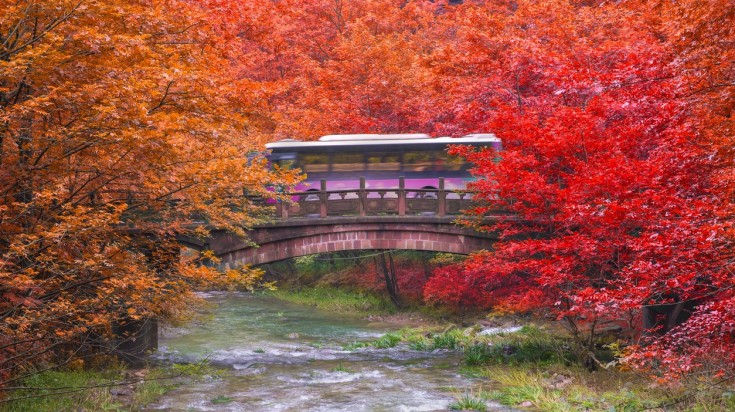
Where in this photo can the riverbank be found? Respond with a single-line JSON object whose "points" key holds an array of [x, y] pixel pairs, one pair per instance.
{"points": [[262, 350], [525, 367], [113, 387], [372, 306]]}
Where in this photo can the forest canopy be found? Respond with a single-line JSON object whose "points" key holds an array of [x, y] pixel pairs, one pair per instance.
{"points": [[616, 118]]}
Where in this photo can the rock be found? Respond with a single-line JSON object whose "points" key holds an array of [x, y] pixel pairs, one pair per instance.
{"points": [[526, 404], [559, 381], [499, 329], [509, 350], [121, 391], [472, 330]]}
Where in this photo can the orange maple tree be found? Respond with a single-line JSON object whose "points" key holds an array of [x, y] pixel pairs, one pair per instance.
{"points": [[120, 124]]}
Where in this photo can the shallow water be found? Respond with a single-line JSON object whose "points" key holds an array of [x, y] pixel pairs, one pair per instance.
{"points": [[285, 357]]}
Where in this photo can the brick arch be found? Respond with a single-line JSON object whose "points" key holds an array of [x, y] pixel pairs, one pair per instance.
{"points": [[287, 240]]}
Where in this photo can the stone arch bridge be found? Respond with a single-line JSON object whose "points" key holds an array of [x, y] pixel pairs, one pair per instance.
{"points": [[357, 219]]}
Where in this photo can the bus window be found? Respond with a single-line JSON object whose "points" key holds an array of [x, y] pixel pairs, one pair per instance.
{"points": [[383, 161], [446, 162], [417, 161], [348, 162], [315, 162]]}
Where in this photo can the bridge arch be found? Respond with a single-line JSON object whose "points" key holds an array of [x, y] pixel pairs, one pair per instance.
{"points": [[284, 240]]}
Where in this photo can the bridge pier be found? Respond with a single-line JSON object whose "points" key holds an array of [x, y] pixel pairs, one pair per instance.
{"points": [[133, 340]]}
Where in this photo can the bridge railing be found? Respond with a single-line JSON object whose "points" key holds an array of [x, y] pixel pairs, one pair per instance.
{"points": [[374, 202]]}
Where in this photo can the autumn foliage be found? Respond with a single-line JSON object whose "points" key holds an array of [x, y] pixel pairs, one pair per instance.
{"points": [[616, 123], [123, 122], [613, 169], [120, 124]]}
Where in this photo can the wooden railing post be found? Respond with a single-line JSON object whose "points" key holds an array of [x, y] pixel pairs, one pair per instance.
{"points": [[401, 196], [323, 197], [442, 198], [362, 198], [284, 205]]}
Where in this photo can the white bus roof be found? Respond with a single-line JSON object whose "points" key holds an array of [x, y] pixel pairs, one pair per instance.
{"points": [[383, 139], [358, 137]]}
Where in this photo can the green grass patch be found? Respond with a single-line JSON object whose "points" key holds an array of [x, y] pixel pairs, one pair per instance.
{"points": [[452, 339], [337, 300], [468, 402], [222, 400], [355, 345], [571, 388], [530, 345], [62, 390], [386, 341], [341, 368]]}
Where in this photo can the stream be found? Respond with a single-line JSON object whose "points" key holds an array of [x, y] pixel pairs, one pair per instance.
{"points": [[279, 356]]}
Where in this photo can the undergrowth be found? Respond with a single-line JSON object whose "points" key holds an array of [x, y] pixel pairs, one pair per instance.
{"points": [[81, 389], [337, 300]]}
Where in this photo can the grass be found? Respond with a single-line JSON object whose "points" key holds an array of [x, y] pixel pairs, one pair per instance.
{"points": [[386, 341], [63, 390], [355, 345], [570, 388], [530, 345], [534, 368], [221, 400], [337, 300], [341, 368], [468, 402], [452, 339]]}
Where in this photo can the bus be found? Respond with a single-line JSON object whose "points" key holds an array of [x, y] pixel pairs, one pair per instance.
{"points": [[381, 159]]}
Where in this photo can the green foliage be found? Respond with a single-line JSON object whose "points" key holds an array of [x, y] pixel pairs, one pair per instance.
{"points": [[221, 400], [530, 345], [341, 368], [419, 343], [157, 383], [90, 390], [63, 390], [355, 345], [441, 258], [196, 371], [569, 388], [477, 354], [447, 340], [386, 341], [337, 300], [468, 402]]}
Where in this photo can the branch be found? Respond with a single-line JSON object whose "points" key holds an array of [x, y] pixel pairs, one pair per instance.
{"points": [[51, 26], [163, 99]]}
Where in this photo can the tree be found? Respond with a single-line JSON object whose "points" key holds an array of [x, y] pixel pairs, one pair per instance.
{"points": [[120, 126], [612, 189], [336, 66]]}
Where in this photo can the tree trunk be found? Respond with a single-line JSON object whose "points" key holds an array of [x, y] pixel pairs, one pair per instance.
{"points": [[389, 274]]}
